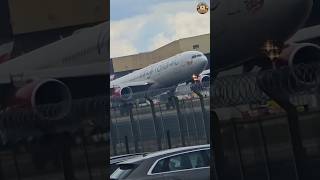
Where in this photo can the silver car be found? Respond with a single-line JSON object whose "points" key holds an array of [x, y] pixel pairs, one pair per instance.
{"points": [[115, 160], [185, 163]]}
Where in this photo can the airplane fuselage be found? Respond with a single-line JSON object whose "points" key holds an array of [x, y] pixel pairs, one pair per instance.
{"points": [[168, 72], [243, 26]]}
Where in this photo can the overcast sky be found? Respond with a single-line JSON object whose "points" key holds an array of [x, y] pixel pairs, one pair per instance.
{"points": [[144, 25]]}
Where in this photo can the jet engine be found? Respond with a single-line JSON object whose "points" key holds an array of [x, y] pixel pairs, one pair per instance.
{"points": [[49, 98], [125, 93], [300, 57], [205, 79]]}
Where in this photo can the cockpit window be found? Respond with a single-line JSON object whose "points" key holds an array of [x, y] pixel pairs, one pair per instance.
{"points": [[197, 55]]}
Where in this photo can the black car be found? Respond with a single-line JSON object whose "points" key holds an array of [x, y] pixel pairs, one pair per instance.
{"points": [[187, 163]]}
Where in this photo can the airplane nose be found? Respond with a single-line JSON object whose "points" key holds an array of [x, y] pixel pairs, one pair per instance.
{"points": [[204, 62]]}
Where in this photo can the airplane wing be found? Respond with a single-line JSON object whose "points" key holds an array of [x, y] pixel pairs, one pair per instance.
{"points": [[95, 69], [72, 68], [205, 72], [305, 34], [72, 71], [82, 81], [138, 84]]}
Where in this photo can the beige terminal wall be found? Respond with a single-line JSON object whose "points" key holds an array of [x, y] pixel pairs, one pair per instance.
{"points": [[200, 43]]}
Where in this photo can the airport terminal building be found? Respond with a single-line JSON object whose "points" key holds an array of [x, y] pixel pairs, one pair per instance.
{"points": [[121, 66]]}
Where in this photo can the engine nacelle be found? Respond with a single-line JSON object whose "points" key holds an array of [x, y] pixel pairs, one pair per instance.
{"points": [[125, 93], [49, 99], [204, 78], [298, 55]]}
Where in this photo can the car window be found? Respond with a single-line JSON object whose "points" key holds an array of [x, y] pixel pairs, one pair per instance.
{"points": [[197, 160], [123, 171], [184, 161], [119, 174], [112, 168], [179, 162], [159, 167], [206, 154]]}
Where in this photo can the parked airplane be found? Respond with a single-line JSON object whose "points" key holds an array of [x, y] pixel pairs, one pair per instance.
{"points": [[248, 28], [166, 73], [55, 73]]}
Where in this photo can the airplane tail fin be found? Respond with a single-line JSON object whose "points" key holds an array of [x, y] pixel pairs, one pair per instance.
{"points": [[5, 51]]}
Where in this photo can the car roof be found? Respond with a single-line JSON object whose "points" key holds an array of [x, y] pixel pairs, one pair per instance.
{"points": [[164, 152], [124, 157]]}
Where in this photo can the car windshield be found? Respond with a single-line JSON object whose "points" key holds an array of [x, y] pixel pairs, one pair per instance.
{"points": [[123, 171]]}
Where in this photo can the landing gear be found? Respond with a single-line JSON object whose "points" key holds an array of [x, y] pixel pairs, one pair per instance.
{"points": [[170, 103], [168, 98], [125, 108]]}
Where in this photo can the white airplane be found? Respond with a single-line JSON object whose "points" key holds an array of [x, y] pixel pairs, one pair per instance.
{"points": [[242, 30], [86, 46], [55, 73], [166, 73]]}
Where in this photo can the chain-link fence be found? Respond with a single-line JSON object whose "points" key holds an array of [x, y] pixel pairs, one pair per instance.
{"points": [[265, 125], [34, 147], [160, 119]]}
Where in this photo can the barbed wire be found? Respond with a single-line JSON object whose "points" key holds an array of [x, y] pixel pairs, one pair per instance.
{"points": [[235, 90], [248, 88]]}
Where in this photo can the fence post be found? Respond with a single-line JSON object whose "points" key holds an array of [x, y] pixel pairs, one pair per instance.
{"points": [[180, 122], [139, 128], [16, 163], [66, 156], [113, 142], [197, 134], [169, 139], [162, 124], [126, 144], [205, 120], [156, 125], [265, 150], [1, 170], [134, 131], [278, 93], [84, 144], [237, 144], [217, 146]]}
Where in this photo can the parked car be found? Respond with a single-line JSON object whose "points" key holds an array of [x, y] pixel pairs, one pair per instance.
{"points": [[187, 163]]}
